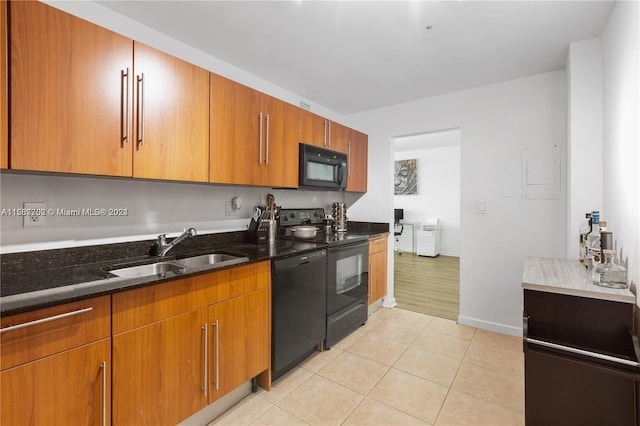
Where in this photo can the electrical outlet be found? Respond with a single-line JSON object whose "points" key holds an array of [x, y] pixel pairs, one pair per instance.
{"points": [[35, 215], [229, 210]]}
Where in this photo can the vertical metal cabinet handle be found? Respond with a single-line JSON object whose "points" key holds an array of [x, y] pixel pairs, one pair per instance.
{"points": [[140, 102], [215, 324], [324, 124], [205, 362], [370, 280], [124, 106], [103, 366], [267, 142], [43, 320], [349, 158], [260, 139], [329, 131]]}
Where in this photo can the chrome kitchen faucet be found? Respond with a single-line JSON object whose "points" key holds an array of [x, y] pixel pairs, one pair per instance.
{"points": [[162, 247]]}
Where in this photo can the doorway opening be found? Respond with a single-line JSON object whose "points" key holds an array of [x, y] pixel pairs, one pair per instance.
{"points": [[427, 237]]}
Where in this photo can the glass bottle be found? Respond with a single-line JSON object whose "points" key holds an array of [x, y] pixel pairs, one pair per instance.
{"points": [[583, 231], [593, 239], [608, 274]]}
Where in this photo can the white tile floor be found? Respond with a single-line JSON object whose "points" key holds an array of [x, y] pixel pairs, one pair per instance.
{"points": [[401, 368]]}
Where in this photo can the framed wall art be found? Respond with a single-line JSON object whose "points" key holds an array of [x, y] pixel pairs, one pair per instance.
{"points": [[405, 177]]}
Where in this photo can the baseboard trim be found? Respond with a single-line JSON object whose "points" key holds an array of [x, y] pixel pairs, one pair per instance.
{"points": [[389, 302], [491, 326]]}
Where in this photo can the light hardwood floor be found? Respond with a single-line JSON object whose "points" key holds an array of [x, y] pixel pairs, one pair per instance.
{"points": [[428, 285]]}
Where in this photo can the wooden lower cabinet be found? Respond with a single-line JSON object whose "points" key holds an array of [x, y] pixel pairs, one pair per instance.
{"points": [[240, 341], [68, 388], [158, 375], [55, 365], [377, 268], [181, 345]]}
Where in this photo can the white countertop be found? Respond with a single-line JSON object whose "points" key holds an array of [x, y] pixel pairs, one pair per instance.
{"points": [[564, 276]]}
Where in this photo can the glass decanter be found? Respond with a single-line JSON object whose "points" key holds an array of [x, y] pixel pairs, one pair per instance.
{"points": [[608, 274]]}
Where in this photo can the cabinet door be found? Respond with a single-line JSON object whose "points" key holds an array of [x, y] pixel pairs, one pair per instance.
{"points": [[240, 341], [237, 151], [313, 129], [159, 371], [171, 117], [4, 89], [339, 136], [70, 388], [378, 274], [68, 93], [357, 150], [281, 143]]}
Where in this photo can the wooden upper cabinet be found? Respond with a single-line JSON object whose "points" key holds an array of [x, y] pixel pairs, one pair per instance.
{"points": [[312, 129], [281, 144], [4, 88], [68, 93], [339, 136], [357, 150], [171, 117], [322, 132], [253, 137], [235, 122]]}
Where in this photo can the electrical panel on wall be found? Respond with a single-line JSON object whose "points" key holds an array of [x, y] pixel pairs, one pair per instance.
{"points": [[541, 172]]}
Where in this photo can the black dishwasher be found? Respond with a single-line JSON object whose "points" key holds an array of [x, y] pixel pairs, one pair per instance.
{"points": [[298, 309]]}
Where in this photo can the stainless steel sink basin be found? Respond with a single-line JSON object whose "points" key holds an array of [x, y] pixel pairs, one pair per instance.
{"points": [[180, 266], [217, 259], [160, 268]]}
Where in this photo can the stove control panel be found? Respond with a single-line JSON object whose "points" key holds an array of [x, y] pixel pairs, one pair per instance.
{"points": [[292, 217]]}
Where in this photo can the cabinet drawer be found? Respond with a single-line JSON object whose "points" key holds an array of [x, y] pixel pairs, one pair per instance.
{"points": [[142, 306], [592, 324], [32, 335], [377, 244]]}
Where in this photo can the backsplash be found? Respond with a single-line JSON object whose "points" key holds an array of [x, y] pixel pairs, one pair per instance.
{"points": [[147, 208]]}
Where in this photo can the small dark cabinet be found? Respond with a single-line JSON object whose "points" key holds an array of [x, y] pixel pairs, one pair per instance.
{"points": [[581, 359]]}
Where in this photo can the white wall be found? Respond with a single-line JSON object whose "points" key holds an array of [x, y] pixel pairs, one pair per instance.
{"points": [[496, 121], [621, 154], [438, 190], [153, 207], [584, 143]]}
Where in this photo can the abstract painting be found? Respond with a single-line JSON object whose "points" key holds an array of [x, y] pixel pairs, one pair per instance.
{"points": [[405, 177]]}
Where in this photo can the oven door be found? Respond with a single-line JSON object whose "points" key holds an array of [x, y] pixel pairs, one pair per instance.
{"points": [[347, 275]]}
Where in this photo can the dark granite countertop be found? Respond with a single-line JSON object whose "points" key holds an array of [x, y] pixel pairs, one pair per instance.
{"points": [[34, 280]]}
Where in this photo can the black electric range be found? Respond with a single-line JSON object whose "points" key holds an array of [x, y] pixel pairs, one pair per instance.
{"points": [[313, 217], [346, 271]]}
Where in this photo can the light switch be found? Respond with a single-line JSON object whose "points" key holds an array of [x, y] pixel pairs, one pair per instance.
{"points": [[481, 207]]}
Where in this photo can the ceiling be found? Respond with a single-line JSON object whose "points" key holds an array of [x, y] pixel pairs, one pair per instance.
{"points": [[352, 56]]}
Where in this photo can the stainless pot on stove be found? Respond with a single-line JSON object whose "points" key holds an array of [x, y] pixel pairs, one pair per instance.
{"points": [[303, 231]]}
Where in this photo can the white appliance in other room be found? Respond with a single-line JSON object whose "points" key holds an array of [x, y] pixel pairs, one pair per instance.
{"points": [[428, 238]]}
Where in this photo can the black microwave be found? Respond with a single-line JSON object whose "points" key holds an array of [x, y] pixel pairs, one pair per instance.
{"points": [[322, 168]]}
